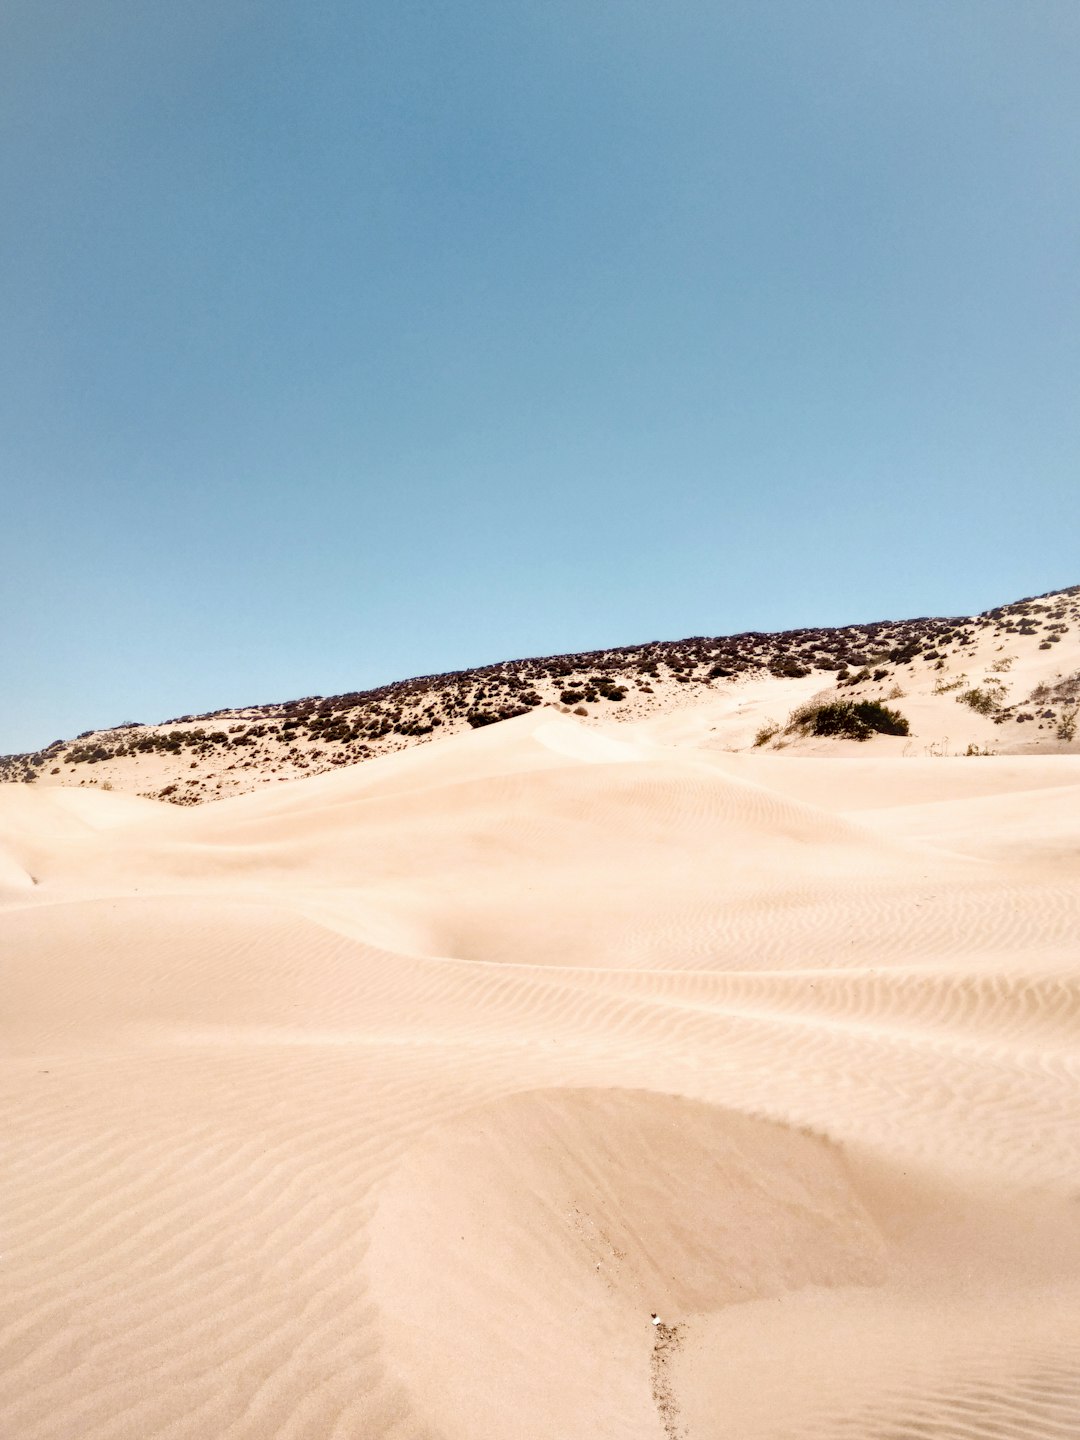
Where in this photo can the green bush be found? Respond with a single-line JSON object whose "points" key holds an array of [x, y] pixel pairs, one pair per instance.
{"points": [[849, 720], [984, 702]]}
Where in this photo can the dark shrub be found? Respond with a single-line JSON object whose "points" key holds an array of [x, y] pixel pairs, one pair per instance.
{"points": [[477, 718], [788, 667], [882, 718], [849, 720]]}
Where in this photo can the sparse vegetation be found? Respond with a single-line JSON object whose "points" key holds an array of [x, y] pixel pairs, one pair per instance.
{"points": [[857, 678], [984, 700], [766, 733], [1065, 690], [313, 733]]}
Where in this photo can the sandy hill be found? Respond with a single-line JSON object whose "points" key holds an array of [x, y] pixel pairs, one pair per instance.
{"points": [[1014, 673], [563, 1077]]}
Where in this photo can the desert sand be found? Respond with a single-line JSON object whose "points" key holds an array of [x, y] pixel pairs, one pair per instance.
{"points": [[553, 1079]]}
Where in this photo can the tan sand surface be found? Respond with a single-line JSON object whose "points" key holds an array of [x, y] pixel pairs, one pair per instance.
{"points": [[396, 1101]]}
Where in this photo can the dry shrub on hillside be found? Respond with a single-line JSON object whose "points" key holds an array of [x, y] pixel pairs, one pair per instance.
{"points": [[849, 719], [984, 700]]}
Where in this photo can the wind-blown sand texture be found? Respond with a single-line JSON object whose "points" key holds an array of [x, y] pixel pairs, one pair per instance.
{"points": [[395, 1101]]}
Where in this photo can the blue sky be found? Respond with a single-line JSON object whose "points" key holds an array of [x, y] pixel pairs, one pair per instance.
{"points": [[346, 341]]}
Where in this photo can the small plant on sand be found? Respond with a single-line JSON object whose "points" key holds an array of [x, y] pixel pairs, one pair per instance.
{"points": [[943, 686], [766, 733], [1066, 727], [849, 720], [985, 699]]}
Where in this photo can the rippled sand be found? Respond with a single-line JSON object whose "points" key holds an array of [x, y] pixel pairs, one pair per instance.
{"points": [[398, 1101]]}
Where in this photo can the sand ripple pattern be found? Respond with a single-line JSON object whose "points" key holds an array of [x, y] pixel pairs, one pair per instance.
{"points": [[394, 1103]]}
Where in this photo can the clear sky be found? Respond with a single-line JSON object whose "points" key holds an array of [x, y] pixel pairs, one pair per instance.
{"points": [[343, 341]]}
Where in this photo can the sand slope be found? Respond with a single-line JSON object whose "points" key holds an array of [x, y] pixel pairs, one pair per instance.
{"points": [[393, 1102]]}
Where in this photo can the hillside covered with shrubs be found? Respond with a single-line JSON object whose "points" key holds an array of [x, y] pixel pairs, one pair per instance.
{"points": [[200, 757]]}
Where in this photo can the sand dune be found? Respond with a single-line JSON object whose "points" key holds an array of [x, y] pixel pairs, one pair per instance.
{"points": [[394, 1101]]}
